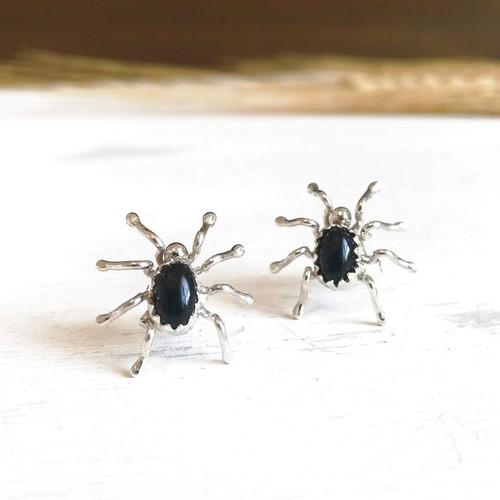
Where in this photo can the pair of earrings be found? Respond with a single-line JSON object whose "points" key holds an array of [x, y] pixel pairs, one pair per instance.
{"points": [[175, 298]]}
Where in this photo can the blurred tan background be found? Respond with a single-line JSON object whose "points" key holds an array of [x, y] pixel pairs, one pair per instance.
{"points": [[417, 56]]}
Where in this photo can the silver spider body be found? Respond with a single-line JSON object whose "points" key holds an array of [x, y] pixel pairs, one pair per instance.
{"points": [[338, 221], [175, 253]]}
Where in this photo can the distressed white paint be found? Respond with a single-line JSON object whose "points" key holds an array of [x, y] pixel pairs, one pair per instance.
{"points": [[331, 406]]}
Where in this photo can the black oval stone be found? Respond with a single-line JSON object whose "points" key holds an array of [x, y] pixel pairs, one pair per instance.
{"points": [[174, 294], [336, 255]]}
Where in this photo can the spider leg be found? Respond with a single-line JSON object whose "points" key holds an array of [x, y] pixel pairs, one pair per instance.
{"points": [[244, 298], [300, 221], [235, 252], [372, 289], [207, 222], [298, 310], [108, 265], [277, 266], [146, 345], [221, 332], [365, 231], [372, 188], [316, 191], [383, 252], [134, 221], [104, 319]]}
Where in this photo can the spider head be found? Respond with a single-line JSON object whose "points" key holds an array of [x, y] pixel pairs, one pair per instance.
{"points": [[339, 216], [173, 251]]}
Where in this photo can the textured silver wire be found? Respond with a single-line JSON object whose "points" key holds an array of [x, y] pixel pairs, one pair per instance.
{"points": [[235, 252], [300, 221]]}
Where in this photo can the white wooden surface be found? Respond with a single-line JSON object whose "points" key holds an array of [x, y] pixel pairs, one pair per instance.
{"points": [[331, 406]]}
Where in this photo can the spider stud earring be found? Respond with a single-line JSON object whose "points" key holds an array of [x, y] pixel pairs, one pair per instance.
{"points": [[339, 249], [175, 298]]}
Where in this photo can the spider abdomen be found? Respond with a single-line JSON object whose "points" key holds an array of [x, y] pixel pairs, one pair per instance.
{"points": [[175, 294], [336, 256]]}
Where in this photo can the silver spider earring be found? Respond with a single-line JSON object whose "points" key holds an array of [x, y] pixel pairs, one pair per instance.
{"points": [[340, 249], [175, 298]]}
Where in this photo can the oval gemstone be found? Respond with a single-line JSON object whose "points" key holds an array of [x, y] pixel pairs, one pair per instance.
{"points": [[336, 254], [174, 294]]}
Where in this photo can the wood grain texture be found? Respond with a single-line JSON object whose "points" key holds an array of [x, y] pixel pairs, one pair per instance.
{"points": [[329, 406]]}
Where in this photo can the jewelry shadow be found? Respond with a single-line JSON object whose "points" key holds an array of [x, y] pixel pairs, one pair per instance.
{"points": [[276, 296], [114, 347], [86, 343], [273, 296]]}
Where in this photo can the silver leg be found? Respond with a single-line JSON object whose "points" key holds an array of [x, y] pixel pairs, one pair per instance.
{"points": [[207, 222], [298, 310], [300, 221], [104, 319], [244, 298], [316, 191], [372, 289], [108, 265], [235, 252], [277, 266], [376, 224], [373, 188], [221, 332], [146, 345], [389, 254], [134, 221]]}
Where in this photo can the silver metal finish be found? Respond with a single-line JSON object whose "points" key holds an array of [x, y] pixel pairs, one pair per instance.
{"points": [[298, 310], [209, 220], [373, 258], [373, 187], [227, 355], [376, 224], [104, 319], [372, 290], [124, 265], [175, 252], [134, 221], [341, 217], [244, 298], [234, 253], [277, 266], [316, 191], [300, 221], [146, 345]]}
